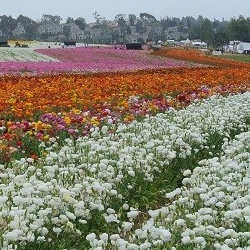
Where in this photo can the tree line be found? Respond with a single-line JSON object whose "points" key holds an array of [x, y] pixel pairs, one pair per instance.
{"points": [[214, 33]]}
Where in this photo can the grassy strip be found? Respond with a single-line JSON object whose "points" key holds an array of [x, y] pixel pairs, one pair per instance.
{"points": [[236, 57]]}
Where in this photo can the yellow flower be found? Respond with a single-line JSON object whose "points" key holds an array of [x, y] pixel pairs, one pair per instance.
{"points": [[46, 138], [12, 100], [76, 111], [94, 121], [67, 197], [67, 120]]}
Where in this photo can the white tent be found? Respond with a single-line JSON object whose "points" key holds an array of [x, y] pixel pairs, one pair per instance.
{"points": [[242, 47]]}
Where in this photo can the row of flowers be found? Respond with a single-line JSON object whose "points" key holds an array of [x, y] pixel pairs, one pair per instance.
{"points": [[198, 56], [93, 192], [37, 108], [22, 55], [16, 136], [93, 59], [80, 59], [26, 96], [62, 190]]}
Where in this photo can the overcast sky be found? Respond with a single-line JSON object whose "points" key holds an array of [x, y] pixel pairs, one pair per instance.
{"points": [[110, 8]]}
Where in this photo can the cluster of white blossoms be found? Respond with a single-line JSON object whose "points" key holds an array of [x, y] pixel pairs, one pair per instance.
{"points": [[81, 184], [212, 208], [23, 55]]}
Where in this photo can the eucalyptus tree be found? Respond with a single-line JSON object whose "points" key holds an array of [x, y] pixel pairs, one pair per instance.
{"points": [[207, 32], [81, 23], [131, 19], [30, 26], [7, 24], [50, 18], [121, 21], [239, 29]]}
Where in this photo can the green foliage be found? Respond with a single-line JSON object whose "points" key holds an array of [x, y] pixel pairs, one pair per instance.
{"points": [[207, 33], [237, 57], [239, 29]]}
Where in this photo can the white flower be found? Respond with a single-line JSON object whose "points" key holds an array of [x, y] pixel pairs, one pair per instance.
{"points": [[104, 237], [83, 222], [110, 211], [113, 192], [145, 246], [127, 226], [199, 240], [246, 210], [30, 160], [70, 215], [173, 193], [154, 213], [12, 236], [187, 172], [114, 237], [180, 223], [111, 218], [91, 237], [186, 240], [41, 238], [132, 214], [57, 230], [3, 199], [125, 206]]}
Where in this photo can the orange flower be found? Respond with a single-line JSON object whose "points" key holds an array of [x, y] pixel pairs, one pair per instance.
{"points": [[39, 94]]}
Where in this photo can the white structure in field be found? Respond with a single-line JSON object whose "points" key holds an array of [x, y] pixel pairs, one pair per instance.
{"points": [[243, 48], [199, 45]]}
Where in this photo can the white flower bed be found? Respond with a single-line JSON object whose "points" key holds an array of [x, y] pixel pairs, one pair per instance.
{"points": [[83, 183], [210, 211], [23, 55]]}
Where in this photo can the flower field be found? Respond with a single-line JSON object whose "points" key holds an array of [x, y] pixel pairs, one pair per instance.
{"points": [[79, 60], [132, 151]]}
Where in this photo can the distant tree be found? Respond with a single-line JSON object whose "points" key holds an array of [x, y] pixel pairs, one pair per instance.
{"points": [[66, 32], [199, 20], [30, 26], [207, 33], [140, 40], [70, 20], [128, 30], [164, 24], [239, 29], [148, 17], [189, 21], [140, 28], [115, 36], [221, 38], [182, 27], [189, 25], [120, 16], [168, 22], [176, 20], [97, 17], [122, 25], [131, 19], [81, 23], [216, 25], [51, 18], [194, 32], [7, 24]]}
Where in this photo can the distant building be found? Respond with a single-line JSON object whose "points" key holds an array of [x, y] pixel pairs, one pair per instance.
{"points": [[50, 28], [19, 30], [199, 45], [243, 48]]}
